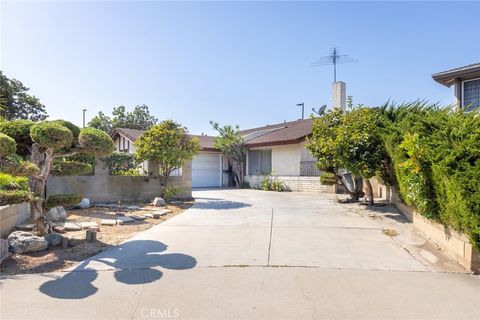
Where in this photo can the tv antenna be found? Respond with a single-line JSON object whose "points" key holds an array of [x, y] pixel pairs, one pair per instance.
{"points": [[333, 59], [321, 110]]}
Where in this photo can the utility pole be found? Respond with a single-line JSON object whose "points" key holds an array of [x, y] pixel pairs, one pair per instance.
{"points": [[303, 109], [84, 110]]}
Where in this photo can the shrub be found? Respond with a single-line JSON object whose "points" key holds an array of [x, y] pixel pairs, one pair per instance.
{"points": [[129, 172], [7, 145], [19, 130], [245, 185], [95, 142], [20, 167], [9, 182], [270, 184], [169, 192], [51, 135], [435, 155], [121, 162], [70, 126], [71, 168], [8, 197], [65, 200], [328, 179]]}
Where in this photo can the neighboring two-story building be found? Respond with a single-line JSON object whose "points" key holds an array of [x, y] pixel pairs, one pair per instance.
{"points": [[466, 81]]}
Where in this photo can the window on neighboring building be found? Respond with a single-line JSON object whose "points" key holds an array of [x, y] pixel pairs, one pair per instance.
{"points": [[471, 94], [259, 161]]}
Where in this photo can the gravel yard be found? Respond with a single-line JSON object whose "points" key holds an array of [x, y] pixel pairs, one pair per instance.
{"points": [[59, 258]]}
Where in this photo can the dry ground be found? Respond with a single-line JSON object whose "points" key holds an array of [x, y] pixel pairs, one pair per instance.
{"points": [[58, 258]]}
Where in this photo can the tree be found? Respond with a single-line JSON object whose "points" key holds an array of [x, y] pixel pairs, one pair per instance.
{"points": [[16, 103], [323, 145], [360, 145], [231, 143], [169, 144], [47, 141], [101, 122], [140, 119]]}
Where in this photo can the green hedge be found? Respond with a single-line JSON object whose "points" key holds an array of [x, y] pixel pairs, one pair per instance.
{"points": [[7, 145], [71, 168], [65, 200], [328, 179], [51, 135], [9, 182], [95, 142], [8, 197], [122, 163], [435, 154]]}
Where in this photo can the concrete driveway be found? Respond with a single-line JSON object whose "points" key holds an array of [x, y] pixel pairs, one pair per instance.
{"points": [[251, 254]]}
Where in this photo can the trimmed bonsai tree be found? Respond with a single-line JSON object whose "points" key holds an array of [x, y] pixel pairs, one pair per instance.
{"points": [[45, 142], [168, 144]]}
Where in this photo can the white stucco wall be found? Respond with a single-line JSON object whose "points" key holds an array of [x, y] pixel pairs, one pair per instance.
{"points": [[286, 160]]}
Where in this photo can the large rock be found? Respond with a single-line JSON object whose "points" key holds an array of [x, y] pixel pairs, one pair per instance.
{"points": [[23, 241], [54, 239], [158, 202], [56, 214], [84, 204]]}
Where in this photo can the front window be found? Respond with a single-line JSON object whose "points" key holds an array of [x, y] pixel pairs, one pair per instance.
{"points": [[259, 162], [177, 172], [471, 94]]}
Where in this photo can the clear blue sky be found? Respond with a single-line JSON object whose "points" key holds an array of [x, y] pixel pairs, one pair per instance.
{"points": [[237, 63]]}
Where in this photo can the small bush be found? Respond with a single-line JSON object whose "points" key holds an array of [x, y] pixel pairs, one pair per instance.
{"points": [[328, 179], [245, 185], [95, 142], [51, 135], [20, 167], [169, 192], [70, 126], [9, 182], [9, 197], [129, 172], [65, 200], [120, 163], [7, 145], [271, 184], [71, 168], [19, 130]]}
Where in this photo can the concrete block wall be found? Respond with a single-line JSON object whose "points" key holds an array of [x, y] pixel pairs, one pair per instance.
{"points": [[103, 187], [10, 216], [453, 243]]}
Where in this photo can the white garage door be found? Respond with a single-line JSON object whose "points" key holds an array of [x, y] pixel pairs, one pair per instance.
{"points": [[206, 170]]}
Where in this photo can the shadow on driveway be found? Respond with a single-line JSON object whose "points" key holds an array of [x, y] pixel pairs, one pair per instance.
{"points": [[134, 262], [218, 204]]}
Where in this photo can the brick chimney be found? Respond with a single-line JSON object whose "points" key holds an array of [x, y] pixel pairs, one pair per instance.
{"points": [[339, 95]]}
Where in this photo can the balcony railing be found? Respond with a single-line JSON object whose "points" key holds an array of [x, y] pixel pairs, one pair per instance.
{"points": [[309, 169]]}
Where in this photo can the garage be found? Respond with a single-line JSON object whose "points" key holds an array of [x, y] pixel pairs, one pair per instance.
{"points": [[206, 170]]}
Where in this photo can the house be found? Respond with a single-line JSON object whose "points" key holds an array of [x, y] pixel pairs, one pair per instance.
{"points": [[209, 166], [276, 150], [466, 81], [279, 151]]}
